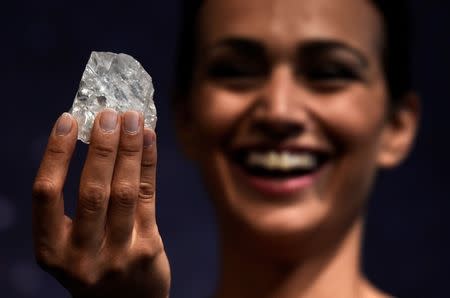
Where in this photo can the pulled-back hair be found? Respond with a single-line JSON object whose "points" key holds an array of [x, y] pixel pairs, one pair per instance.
{"points": [[396, 53]]}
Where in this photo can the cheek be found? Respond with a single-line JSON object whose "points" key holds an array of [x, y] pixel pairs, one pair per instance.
{"points": [[216, 112], [354, 122], [354, 119]]}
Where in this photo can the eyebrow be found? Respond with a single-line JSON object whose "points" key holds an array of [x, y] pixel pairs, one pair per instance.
{"points": [[241, 45], [310, 48], [324, 47]]}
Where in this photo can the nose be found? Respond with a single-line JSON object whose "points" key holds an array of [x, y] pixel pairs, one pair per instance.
{"points": [[278, 90], [277, 117]]}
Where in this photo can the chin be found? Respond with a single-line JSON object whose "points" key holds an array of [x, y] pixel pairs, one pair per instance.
{"points": [[286, 213], [280, 221]]}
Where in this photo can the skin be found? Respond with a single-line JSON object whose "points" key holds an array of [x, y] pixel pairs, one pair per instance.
{"points": [[112, 247], [305, 244], [261, 77]]}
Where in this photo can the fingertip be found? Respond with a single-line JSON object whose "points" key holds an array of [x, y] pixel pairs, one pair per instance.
{"points": [[149, 138], [64, 125], [108, 120]]}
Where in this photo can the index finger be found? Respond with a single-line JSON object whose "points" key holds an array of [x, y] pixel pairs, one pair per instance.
{"points": [[48, 204]]}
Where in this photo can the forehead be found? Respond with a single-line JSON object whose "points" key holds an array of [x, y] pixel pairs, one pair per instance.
{"points": [[285, 23]]}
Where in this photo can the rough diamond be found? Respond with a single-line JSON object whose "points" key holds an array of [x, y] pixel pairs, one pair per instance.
{"points": [[115, 81]]}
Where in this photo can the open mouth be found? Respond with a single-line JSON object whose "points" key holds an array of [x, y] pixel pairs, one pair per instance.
{"points": [[278, 171], [279, 163]]}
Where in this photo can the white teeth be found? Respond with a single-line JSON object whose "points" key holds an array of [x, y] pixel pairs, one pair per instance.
{"points": [[282, 161]]}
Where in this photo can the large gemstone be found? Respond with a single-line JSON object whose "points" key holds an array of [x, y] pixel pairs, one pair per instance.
{"points": [[115, 81]]}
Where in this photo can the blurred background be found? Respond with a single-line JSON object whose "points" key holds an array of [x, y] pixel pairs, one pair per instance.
{"points": [[45, 47]]}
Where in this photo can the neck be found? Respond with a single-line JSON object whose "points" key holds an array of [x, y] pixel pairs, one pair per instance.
{"points": [[333, 273]]}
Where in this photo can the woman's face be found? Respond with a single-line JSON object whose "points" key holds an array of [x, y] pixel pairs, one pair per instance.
{"points": [[288, 111]]}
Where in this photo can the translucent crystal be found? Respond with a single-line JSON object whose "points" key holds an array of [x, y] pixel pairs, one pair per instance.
{"points": [[115, 81]]}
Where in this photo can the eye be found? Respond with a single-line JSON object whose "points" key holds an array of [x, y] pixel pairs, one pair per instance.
{"points": [[232, 69], [328, 77], [237, 74], [330, 72]]}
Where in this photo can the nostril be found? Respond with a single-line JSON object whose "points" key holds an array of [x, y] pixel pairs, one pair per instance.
{"points": [[278, 130]]}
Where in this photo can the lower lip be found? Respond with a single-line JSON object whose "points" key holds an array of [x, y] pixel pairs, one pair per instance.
{"points": [[278, 187]]}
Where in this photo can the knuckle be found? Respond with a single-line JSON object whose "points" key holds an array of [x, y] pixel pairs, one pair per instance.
{"points": [[150, 247], [125, 194], [46, 257], [129, 150], [103, 150], [146, 191], [146, 253], [93, 197], [81, 270], [158, 243], [44, 189], [148, 163], [147, 257], [56, 151]]}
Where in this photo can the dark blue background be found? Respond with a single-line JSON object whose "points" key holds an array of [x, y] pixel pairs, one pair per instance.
{"points": [[44, 48]]}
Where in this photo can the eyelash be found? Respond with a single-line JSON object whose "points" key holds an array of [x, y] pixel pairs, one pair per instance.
{"points": [[245, 76], [328, 73], [232, 70]]}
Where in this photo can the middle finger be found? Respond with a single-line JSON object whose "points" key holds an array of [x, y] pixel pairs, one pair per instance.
{"points": [[95, 182], [125, 185]]}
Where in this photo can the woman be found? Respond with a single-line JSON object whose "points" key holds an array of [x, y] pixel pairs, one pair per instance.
{"points": [[289, 108]]}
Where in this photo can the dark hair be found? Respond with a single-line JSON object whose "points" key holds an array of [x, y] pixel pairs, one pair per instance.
{"points": [[396, 47]]}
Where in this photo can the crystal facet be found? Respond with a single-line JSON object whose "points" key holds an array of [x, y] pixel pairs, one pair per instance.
{"points": [[115, 81]]}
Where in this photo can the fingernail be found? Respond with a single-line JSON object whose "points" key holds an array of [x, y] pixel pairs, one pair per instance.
{"points": [[64, 124], [149, 138], [131, 122], [108, 120]]}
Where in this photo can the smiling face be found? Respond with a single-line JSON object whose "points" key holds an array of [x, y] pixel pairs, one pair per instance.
{"points": [[288, 113]]}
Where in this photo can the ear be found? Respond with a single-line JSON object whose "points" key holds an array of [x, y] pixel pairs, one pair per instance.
{"points": [[185, 130], [399, 132]]}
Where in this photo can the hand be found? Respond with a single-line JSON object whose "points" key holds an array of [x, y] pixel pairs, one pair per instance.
{"points": [[112, 248]]}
